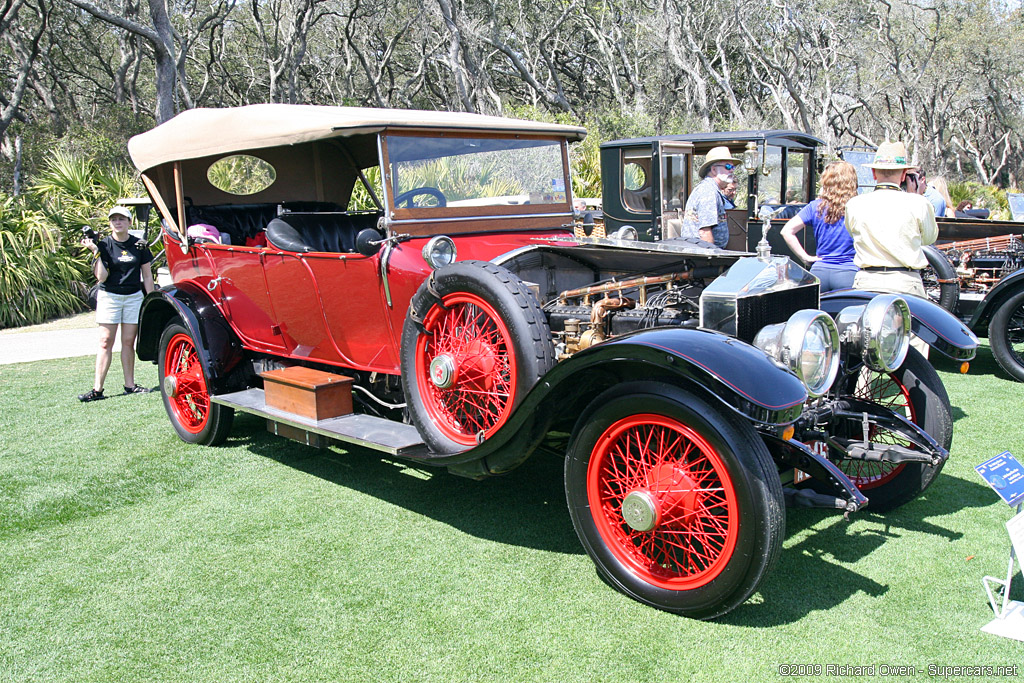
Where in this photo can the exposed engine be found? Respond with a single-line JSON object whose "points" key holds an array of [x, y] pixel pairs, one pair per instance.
{"points": [[981, 263]]}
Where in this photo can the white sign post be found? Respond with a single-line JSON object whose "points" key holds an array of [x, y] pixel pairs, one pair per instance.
{"points": [[1006, 477]]}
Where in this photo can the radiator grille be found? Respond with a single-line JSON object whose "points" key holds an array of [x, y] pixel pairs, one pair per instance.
{"points": [[754, 312]]}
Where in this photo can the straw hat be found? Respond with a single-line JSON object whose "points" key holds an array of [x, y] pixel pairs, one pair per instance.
{"points": [[717, 155], [891, 156]]}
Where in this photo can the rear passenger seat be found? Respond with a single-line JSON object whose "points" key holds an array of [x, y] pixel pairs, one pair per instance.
{"points": [[245, 221], [323, 232]]}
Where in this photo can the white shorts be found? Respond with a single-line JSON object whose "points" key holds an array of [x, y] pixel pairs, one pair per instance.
{"points": [[112, 309]]}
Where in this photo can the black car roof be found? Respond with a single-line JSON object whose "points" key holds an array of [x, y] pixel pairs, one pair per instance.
{"points": [[777, 137]]}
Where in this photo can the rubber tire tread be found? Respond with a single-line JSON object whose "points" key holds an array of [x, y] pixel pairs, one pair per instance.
{"points": [[930, 400], [218, 426], [949, 292], [519, 310], [762, 520], [998, 337]]}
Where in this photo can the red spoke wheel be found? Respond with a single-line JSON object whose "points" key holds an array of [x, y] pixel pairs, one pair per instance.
{"points": [[678, 503], [465, 367], [914, 391], [474, 343], [185, 390]]}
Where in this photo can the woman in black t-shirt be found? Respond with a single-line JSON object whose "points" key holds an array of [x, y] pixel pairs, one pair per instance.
{"points": [[123, 270]]}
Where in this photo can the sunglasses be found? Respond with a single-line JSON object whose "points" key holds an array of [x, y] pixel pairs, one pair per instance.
{"points": [[728, 167]]}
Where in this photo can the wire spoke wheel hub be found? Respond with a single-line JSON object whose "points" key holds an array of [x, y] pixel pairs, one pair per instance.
{"points": [[663, 501], [185, 385], [471, 365]]}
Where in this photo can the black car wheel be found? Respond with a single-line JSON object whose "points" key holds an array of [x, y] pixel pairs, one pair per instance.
{"points": [[185, 390], [474, 342], [1006, 336], [678, 503], [916, 392]]}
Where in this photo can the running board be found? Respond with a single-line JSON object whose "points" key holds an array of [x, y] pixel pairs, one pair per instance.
{"points": [[377, 433]]}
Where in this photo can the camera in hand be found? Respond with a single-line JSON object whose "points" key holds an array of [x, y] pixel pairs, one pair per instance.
{"points": [[90, 233]]}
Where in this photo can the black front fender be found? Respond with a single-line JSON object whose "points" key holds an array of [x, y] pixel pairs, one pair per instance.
{"points": [[735, 375], [218, 347], [939, 328]]}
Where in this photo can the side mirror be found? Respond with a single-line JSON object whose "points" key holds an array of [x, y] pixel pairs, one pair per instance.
{"points": [[368, 241]]}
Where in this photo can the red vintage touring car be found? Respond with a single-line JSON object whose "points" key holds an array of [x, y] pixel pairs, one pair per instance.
{"points": [[411, 282]]}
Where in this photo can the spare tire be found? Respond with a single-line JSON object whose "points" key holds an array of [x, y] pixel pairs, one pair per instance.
{"points": [[940, 280], [475, 341]]}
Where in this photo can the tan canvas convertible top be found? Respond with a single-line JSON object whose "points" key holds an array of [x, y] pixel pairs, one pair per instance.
{"points": [[197, 133]]}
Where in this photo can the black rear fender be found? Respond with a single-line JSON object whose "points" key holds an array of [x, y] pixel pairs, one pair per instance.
{"points": [[218, 347], [939, 328], [1007, 287]]}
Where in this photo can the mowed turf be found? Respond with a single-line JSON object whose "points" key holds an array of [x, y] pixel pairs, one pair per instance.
{"points": [[126, 554]]}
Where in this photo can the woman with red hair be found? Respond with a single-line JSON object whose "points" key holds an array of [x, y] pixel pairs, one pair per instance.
{"points": [[833, 264]]}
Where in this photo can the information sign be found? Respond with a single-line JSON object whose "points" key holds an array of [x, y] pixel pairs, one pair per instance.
{"points": [[1006, 477], [865, 179], [1016, 201]]}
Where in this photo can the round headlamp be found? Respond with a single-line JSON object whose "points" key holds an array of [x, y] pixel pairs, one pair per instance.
{"points": [[879, 330], [807, 344], [439, 251]]}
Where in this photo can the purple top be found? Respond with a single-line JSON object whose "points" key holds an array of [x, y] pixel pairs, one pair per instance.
{"points": [[835, 246]]}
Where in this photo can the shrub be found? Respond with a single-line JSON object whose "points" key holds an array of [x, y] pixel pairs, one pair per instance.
{"points": [[983, 197], [44, 270], [39, 278]]}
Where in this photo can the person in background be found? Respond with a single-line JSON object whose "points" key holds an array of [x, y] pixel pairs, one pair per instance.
{"points": [[833, 264], [730, 195], [889, 227], [941, 187], [704, 217], [123, 270], [931, 194], [965, 209]]}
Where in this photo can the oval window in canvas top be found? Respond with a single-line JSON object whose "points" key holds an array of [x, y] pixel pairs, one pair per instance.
{"points": [[241, 174]]}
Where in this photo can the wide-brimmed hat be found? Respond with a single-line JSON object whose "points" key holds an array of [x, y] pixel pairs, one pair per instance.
{"points": [[891, 156], [717, 155], [119, 211]]}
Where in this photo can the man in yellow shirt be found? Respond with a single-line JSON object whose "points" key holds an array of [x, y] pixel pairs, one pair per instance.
{"points": [[890, 226]]}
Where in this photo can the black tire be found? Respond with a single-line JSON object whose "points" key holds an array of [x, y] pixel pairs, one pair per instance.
{"points": [[483, 332], [722, 496], [1006, 336], [940, 279], [185, 390], [915, 391]]}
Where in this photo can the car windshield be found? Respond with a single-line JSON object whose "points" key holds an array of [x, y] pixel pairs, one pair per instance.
{"points": [[466, 171]]}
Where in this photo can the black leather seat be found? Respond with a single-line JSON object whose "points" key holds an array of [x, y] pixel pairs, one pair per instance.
{"points": [[243, 221], [324, 232]]}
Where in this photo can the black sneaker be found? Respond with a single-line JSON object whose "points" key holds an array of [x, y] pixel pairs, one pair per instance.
{"points": [[91, 395], [137, 389]]}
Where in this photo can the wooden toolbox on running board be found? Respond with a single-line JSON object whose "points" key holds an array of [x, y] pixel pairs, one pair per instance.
{"points": [[307, 392]]}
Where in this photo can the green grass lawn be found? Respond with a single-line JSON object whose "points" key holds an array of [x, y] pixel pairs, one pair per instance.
{"points": [[127, 555]]}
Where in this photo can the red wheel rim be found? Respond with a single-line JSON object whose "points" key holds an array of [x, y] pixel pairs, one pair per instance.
{"points": [[468, 338], [189, 401], [887, 391], [665, 464]]}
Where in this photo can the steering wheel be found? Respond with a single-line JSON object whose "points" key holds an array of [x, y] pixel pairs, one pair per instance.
{"points": [[408, 196]]}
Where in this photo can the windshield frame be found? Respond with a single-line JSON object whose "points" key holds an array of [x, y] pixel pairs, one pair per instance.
{"points": [[548, 214]]}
